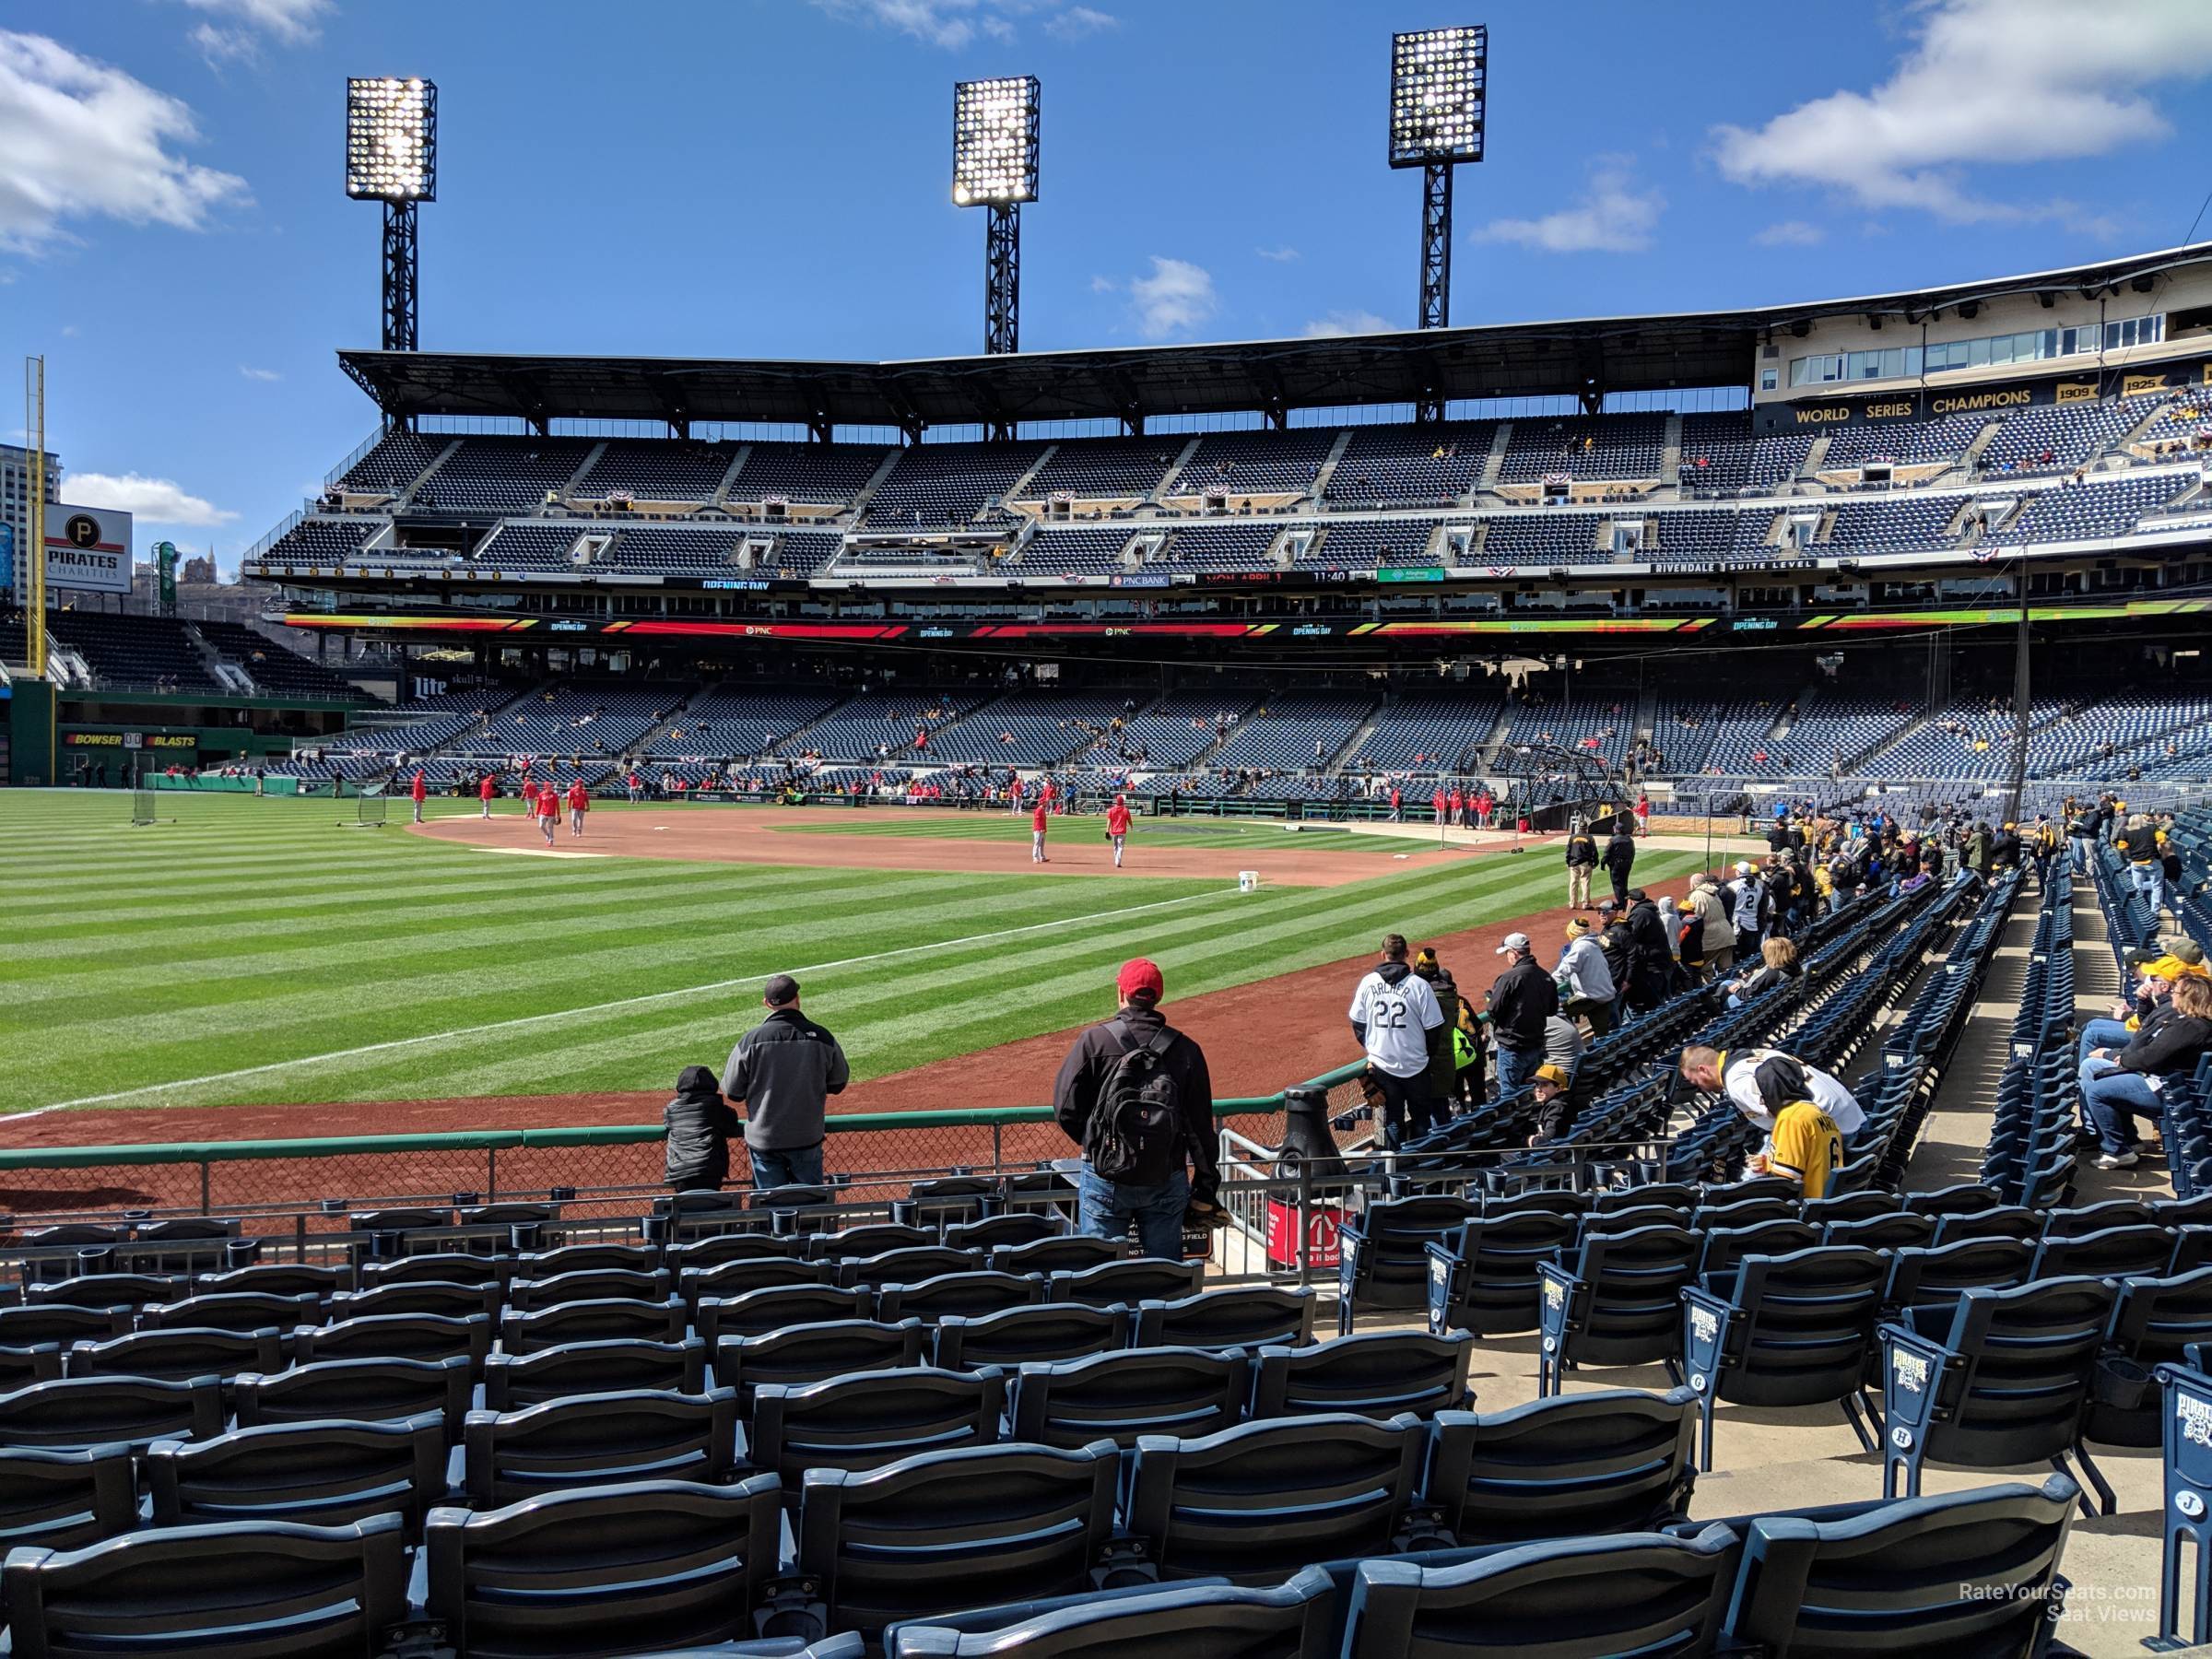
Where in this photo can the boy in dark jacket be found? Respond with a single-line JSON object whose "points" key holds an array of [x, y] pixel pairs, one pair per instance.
{"points": [[700, 1126]]}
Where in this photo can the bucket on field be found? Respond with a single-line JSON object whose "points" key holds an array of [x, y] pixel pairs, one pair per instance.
{"points": [[1248, 881]]}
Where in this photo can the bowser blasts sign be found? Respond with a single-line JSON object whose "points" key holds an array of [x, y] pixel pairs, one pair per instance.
{"points": [[88, 548]]}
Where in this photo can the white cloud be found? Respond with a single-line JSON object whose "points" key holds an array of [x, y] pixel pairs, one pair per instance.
{"points": [[1999, 82], [1335, 325], [79, 139], [1282, 255], [1790, 233], [158, 500], [1176, 296], [288, 22], [1077, 21], [259, 375], [1612, 216]]}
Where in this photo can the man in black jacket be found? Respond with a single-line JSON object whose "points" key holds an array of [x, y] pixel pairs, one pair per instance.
{"points": [[1106, 1209], [1651, 955], [1582, 858], [1522, 999], [700, 1126], [1620, 856], [1618, 943], [784, 1069]]}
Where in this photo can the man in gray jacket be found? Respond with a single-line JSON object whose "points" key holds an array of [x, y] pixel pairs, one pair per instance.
{"points": [[784, 1069]]}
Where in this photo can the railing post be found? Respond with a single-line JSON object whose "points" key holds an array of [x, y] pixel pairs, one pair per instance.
{"points": [[206, 1208], [998, 1146], [491, 1175]]}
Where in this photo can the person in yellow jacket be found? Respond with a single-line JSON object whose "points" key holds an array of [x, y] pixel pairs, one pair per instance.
{"points": [[1805, 1147]]}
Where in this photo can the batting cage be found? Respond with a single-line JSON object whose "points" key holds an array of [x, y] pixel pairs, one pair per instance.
{"points": [[1555, 787]]}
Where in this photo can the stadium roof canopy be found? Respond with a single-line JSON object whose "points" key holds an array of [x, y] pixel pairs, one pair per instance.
{"points": [[1586, 357]]}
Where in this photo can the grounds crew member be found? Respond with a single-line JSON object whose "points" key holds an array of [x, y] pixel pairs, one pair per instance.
{"points": [[699, 1124], [1395, 1018], [784, 1069], [1761, 1082], [1135, 1095], [1582, 858]]}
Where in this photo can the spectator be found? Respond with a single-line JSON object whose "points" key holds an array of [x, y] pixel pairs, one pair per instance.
{"points": [[1522, 999], [1761, 1082], [2118, 1082], [700, 1126], [1620, 857], [1779, 967], [1708, 932], [1135, 1095], [1395, 1015], [1750, 914], [1564, 1045], [1556, 1104], [1585, 979], [784, 1069], [1443, 1055]]}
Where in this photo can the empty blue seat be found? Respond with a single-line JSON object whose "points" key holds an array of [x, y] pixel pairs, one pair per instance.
{"points": [[1614, 1301], [596, 1439], [1295, 1619], [58, 1499], [324, 1474], [813, 1353], [375, 1391], [1121, 1396], [511, 1381], [1027, 1336], [1380, 1374], [1614, 1460], [1242, 1316], [1128, 1283], [863, 1420]]}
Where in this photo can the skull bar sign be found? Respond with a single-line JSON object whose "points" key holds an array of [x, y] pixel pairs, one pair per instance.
{"points": [[89, 549]]}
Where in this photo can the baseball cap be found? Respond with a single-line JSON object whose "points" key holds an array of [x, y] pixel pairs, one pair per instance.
{"points": [[1140, 977], [1514, 941], [1608, 904], [2187, 950], [1743, 866], [1553, 1075]]}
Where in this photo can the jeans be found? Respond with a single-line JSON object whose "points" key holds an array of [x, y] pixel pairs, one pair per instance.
{"points": [[1407, 1112], [1599, 1013], [2100, 1034], [1105, 1209], [1516, 1068], [2112, 1098], [787, 1166], [2150, 881]]}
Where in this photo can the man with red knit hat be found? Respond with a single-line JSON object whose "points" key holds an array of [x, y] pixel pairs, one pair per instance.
{"points": [[415, 792], [488, 789], [1117, 827], [1040, 820], [1135, 1095], [580, 803]]}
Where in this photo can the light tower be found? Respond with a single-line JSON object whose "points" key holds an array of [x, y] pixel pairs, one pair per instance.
{"points": [[1437, 80], [392, 157], [995, 166]]}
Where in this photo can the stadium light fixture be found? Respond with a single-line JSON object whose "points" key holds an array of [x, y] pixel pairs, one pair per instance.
{"points": [[1439, 88], [995, 126], [392, 157]]}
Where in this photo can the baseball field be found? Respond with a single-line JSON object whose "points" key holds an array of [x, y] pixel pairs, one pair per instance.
{"points": [[268, 954]]}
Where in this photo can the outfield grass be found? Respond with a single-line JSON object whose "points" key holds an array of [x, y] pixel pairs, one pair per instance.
{"points": [[251, 934]]}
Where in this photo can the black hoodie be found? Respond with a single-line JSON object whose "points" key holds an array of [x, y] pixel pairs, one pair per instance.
{"points": [[700, 1126]]}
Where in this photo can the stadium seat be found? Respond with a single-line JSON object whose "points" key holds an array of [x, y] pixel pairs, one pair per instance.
{"points": [[1254, 1503], [1642, 1593], [2153, 1319], [1241, 1316], [176, 1356], [626, 1567], [2114, 1253], [596, 1439], [1968, 1572], [1482, 1276], [400, 1337], [2186, 1524], [598, 1320], [1379, 1374], [39, 1363], [57, 1322], [240, 1312], [907, 1264], [513, 1381], [1898, 1229], [944, 1201], [760, 1313], [1614, 1301], [452, 1267], [1001, 1232], [863, 1420], [813, 1353], [1025, 1336], [1999, 1379], [741, 1276], [604, 1256], [1784, 1330], [601, 1284], [1932, 1278], [272, 1589], [58, 1499], [970, 1293], [108, 1290], [1119, 1396], [946, 1530], [276, 1278], [1613, 1460], [420, 1296], [375, 1391], [1293, 1620], [1127, 1283], [873, 1238], [1063, 1253], [1382, 1260], [718, 1248], [97, 1411], [323, 1474], [1724, 1247]]}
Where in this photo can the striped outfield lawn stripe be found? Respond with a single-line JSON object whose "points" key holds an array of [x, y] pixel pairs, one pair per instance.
{"points": [[251, 934]]}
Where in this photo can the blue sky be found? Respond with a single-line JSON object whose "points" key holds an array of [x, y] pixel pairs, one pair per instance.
{"points": [[770, 178]]}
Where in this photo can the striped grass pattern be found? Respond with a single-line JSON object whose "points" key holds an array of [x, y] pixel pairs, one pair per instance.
{"points": [[251, 934]]}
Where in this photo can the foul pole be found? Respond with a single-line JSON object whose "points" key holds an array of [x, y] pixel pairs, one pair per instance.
{"points": [[34, 556]]}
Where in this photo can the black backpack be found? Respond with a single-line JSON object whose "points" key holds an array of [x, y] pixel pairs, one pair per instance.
{"points": [[1136, 1128]]}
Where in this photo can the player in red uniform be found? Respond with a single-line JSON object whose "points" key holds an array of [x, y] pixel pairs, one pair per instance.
{"points": [[547, 806], [580, 801], [1038, 820], [1117, 825], [415, 792], [487, 791], [1644, 815]]}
